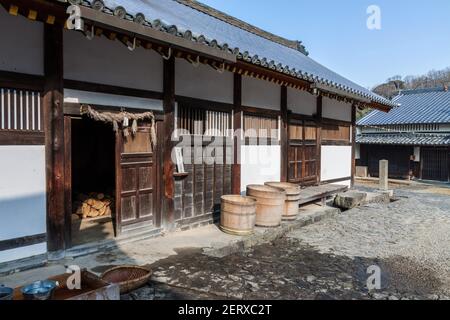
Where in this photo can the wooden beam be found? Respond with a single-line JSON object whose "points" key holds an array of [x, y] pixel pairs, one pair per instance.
{"points": [[204, 104], [247, 68], [125, 26], [15, 80], [16, 137], [108, 89], [319, 118], [237, 120], [22, 242], [260, 112], [54, 138], [168, 219], [284, 134], [354, 108], [49, 12]]}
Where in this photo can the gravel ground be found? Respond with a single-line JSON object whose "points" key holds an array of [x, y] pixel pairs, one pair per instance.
{"points": [[414, 233], [409, 240]]}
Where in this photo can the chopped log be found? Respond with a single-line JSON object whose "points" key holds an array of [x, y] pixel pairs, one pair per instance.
{"points": [[94, 205]]}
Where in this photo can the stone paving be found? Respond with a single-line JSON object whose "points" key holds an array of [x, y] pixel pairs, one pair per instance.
{"points": [[408, 239]]}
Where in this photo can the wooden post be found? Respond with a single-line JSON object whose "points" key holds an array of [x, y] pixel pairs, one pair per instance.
{"points": [[53, 101], [68, 179], [237, 120], [353, 145], [319, 115], [169, 126], [284, 134]]}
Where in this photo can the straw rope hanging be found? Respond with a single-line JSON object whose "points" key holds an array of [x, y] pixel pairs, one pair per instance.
{"points": [[122, 118]]}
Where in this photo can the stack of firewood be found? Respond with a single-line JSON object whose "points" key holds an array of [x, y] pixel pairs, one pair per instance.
{"points": [[93, 205]]}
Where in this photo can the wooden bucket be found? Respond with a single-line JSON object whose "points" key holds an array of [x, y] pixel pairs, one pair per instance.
{"points": [[238, 215], [291, 206], [269, 204]]}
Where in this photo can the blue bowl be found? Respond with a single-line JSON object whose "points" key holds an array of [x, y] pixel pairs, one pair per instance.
{"points": [[39, 290], [6, 293]]}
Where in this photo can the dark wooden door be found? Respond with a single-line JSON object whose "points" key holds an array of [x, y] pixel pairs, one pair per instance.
{"points": [[435, 165], [303, 153], [136, 185]]}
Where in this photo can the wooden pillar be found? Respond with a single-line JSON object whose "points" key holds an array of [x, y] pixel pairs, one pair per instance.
{"points": [[353, 144], [237, 120], [168, 218], [53, 100], [284, 134], [319, 115]]}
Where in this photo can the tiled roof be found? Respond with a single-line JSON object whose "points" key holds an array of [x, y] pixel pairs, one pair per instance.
{"points": [[297, 45], [416, 107], [418, 139], [185, 21]]}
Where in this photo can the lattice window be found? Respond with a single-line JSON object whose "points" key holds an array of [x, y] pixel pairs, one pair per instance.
{"points": [[20, 110], [204, 122]]}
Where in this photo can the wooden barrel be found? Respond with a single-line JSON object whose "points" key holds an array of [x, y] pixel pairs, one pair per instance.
{"points": [[291, 206], [269, 204], [238, 215]]}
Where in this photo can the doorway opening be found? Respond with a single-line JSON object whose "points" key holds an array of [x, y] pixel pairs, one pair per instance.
{"points": [[93, 181]]}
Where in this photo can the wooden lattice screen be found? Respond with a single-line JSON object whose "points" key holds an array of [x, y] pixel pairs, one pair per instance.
{"points": [[20, 110], [204, 122]]}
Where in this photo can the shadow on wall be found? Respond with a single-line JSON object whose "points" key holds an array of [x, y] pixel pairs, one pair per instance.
{"points": [[22, 216]]}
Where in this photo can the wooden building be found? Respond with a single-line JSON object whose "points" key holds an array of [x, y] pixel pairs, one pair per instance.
{"points": [[414, 137], [174, 65]]}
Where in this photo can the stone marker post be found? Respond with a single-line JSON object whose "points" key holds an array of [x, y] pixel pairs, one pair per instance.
{"points": [[384, 175]]}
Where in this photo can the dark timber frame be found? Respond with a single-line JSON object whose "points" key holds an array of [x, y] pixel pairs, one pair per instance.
{"points": [[169, 127], [55, 138], [237, 109]]}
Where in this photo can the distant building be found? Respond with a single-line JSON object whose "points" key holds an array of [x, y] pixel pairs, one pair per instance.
{"points": [[414, 137]]}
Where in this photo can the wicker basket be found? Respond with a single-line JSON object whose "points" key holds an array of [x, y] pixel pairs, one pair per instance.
{"points": [[128, 278]]}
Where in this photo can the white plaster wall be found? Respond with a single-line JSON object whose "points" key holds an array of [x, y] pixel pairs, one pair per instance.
{"points": [[261, 94], [203, 82], [338, 110], [259, 164], [22, 197], [110, 62], [347, 183], [22, 44], [111, 100], [24, 252], [301, 102], [336, 162]]}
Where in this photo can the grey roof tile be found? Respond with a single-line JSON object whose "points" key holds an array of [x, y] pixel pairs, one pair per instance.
{"points": [[418, 139], [416, 107], [249, 46]]}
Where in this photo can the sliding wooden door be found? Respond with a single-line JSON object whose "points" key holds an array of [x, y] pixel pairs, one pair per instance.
{"points": [[302, 152], [136, 183]]}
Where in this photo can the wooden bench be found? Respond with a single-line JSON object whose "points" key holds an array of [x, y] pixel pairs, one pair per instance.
{"points": [[322, 192]]}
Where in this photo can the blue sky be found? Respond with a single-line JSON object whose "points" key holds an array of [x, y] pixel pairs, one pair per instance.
{"points": [[413, 40]]}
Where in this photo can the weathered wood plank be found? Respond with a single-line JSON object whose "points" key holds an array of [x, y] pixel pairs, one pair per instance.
{"points": [[54, 136]]}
